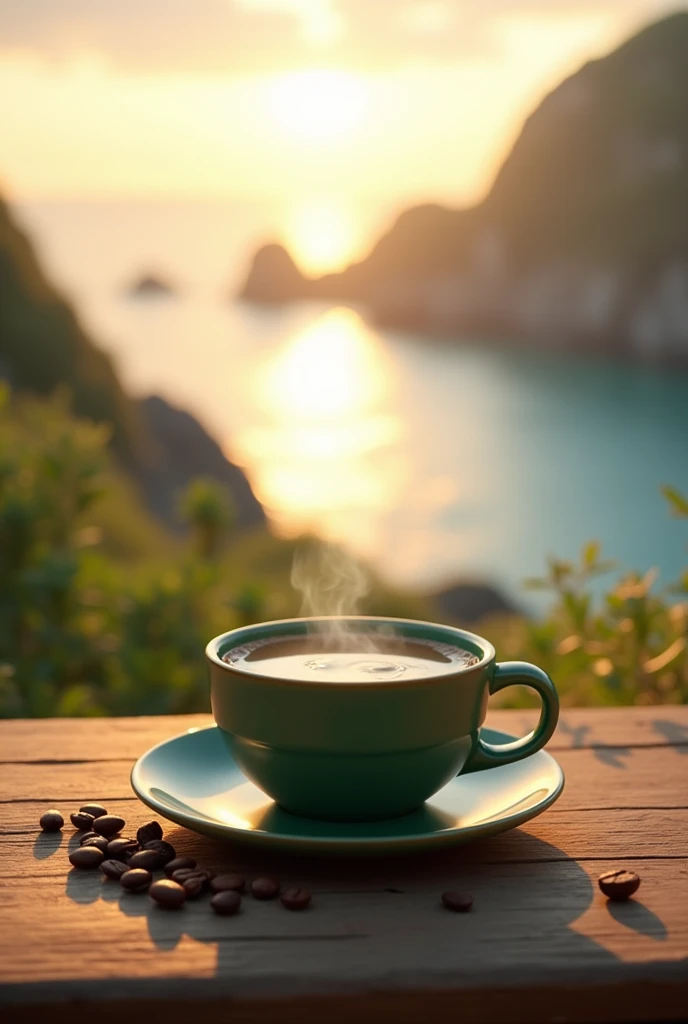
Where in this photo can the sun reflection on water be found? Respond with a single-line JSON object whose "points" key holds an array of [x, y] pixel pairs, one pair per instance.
{"points": [[326, 438]]}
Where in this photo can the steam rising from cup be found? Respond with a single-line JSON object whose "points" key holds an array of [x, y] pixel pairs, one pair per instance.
{"points": [[331, 582]]}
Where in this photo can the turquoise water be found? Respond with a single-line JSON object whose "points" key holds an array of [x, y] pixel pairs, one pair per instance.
{"points": [[562, 450], [434, 460]]}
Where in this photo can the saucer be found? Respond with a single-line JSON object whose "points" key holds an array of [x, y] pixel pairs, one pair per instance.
{"points": [[192, 780]]}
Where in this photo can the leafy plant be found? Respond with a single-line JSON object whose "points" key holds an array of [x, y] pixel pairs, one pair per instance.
{"points": [[630, 647], [100, 612]]}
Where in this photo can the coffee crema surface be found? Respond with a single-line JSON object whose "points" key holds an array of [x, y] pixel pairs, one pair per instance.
{"points": [[350, 658]]}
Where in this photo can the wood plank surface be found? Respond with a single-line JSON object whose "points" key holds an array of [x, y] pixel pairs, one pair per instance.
{"points": [[540, 944], [632, 777], [72, 739]]}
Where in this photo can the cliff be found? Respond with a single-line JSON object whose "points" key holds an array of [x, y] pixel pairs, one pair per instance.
{"points": [[43, 346], [182, 450], [582, 240]]}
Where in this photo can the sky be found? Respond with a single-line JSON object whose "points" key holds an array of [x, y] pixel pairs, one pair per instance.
{"points": [[281, 99]]}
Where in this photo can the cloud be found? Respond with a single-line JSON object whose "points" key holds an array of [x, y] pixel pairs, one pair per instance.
{"points": [[240, 36]]}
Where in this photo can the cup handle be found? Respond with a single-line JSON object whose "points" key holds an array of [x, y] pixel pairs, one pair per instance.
{"points": [[509, 673]]}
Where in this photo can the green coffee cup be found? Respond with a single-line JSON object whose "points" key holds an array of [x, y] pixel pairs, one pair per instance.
{"points": [[365, 751]]}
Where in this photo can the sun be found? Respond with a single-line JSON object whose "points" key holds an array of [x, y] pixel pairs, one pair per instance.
{"points": [[318, 104], [323, 233]]}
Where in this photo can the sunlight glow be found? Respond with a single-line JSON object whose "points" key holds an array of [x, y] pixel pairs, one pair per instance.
{"points": [[330, 371], [323, 234], [318, 104], [328, 442]]}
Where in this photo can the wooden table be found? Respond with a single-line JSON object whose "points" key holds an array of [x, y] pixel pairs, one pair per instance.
{"points": [[541, 944]]}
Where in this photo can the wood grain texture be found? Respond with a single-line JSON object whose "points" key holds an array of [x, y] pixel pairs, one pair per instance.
{"points": [[540, 944], [631, 777], [71, 739]]}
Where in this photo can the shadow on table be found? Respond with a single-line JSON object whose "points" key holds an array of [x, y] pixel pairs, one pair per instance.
{"points": [[673, 733], [503, 873], [576, 732], [46, 844], [613, 757], [638, 918]]}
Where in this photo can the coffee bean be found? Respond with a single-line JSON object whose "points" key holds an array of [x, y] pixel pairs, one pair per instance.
{"points": [[265, 888], [193, 885], [100, 843], [122, 849], [166, 850], [148, 832], [179, 864], [86, 857], [618, 885], [295, 898], [51, 821], [82, 822], [149, 859], [226, 902], [225, 883], [181, 874], [113, 869], [88, 835], [108, 825], [95, 810], [136, 879], [167, 893], [460, 902]]}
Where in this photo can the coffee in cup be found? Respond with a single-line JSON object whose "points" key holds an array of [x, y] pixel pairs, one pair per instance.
{"points": [[360, 718]]}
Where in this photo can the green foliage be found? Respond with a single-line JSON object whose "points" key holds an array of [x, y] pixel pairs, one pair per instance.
{"points": [[100, 612], [209, 510], [80, 633], [630, 648]]}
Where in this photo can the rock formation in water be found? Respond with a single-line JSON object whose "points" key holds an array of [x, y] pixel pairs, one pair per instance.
{"points": [[273, 277], [149, 286], [469, 603], [582, 241]]}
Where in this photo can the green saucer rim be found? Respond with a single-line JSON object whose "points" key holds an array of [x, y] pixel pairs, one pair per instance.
{"points": [[349, 844]]}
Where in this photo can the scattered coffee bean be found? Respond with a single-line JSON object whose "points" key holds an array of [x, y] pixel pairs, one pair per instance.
{"points": [[265, 888], [88, 835], [225, 883], [100, 843], [122, 849], [136, 879], [148, 832], [148, 859], [95, 810], [114, 869], [295, 898], [179, 864], [457, 901], [193, 885], [618, 885], [166, 850], [181, 874], [167, 893], [226, 902], [82, 822], [86, 857], [51, 821], [108, 825]]}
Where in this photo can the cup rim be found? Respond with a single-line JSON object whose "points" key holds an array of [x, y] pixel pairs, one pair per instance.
{"points": [[409, 627]]}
